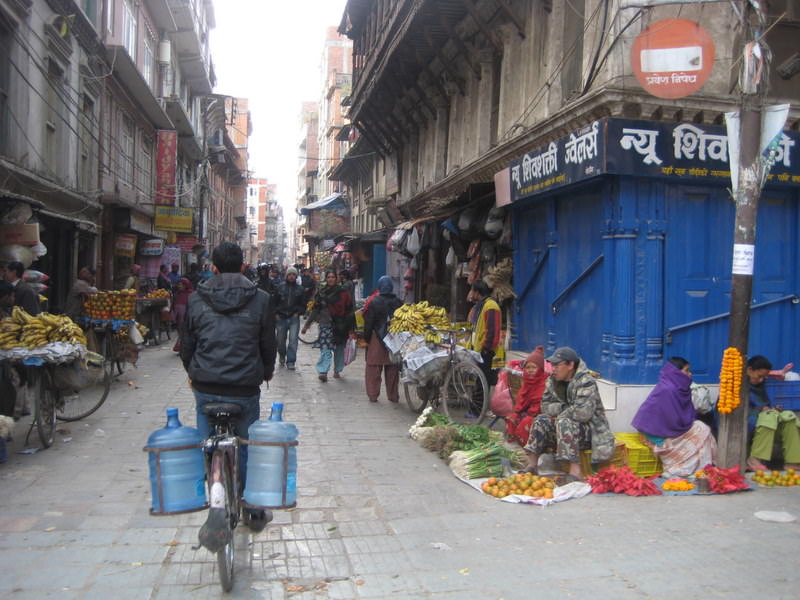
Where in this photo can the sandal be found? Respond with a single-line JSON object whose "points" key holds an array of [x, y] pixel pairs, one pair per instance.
{"points": [[753, 464]]}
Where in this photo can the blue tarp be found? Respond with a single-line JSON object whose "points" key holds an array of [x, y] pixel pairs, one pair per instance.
{"points": [[326, 202]]}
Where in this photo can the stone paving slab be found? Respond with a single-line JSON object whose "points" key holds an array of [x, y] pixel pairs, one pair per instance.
{"points": [[377, 517]]}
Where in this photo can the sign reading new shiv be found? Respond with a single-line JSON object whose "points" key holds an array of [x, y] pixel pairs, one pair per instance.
{"points": [[684, 152]]}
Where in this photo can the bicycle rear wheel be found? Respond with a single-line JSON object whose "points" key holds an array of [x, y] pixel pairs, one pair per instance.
{"points": [[310, 336], [416, 396], [226, 556], [465, 394], [84, 403], [46, 408]]}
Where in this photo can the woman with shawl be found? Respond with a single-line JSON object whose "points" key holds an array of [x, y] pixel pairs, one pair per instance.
{"points": [[333, 310], [529, 398], [183, 290], [667, 423], [377, 315]]}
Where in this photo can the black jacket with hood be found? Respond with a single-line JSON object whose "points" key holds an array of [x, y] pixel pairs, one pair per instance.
{"points": [[228, 345], [290, 301]]}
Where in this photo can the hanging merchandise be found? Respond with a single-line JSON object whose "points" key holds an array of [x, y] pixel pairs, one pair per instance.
{"points": [[499, 279], [466, 222], [413, 243], [474, 268], [488, 253], [494, 223], [450, 260], [460, 248], [474, 247], [398, 240], [506, 239]]}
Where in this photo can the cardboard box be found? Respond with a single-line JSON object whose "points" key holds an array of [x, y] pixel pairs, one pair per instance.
{"points": [[26, 235]]}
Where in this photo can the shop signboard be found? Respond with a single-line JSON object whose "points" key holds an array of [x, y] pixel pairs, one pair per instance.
{"points": [[166, 167], [154, 247], [683, 152], [24, 234], [578, 156], [125, 245], [127, 219], [174, 219], [187, 244]]}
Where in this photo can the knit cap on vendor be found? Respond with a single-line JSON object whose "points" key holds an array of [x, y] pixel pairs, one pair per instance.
{"points": [[536, 357]]}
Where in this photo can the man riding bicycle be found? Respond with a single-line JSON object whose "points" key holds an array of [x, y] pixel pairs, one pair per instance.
{"points": [[228, 349]]}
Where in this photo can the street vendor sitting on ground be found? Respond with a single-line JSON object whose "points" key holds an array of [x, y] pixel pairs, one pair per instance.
{"points": [[766, 421], [573, 417], [528, 403], [667, 420]]}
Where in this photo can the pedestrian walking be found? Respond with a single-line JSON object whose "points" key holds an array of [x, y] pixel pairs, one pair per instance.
{"points": [[180, 306], [333, 310], [24, 296], [376, 324], [226, 357], [289, 305]]}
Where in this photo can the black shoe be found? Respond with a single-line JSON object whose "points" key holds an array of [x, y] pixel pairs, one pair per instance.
{"points": [[215, 532], [256, 520]]}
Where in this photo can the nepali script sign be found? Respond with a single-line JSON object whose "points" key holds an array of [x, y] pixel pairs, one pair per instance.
{"points": [[566, 160], [682, 152]]}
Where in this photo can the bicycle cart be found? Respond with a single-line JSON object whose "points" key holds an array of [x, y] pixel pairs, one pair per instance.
{"points": [[445, 376]]}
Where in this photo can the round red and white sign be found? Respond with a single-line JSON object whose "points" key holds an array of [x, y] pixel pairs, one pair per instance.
{"points": [[673, 58]]}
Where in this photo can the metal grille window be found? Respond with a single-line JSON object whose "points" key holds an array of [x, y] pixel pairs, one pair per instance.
{"points": [[145, 166], [126, 150], [55, 123], [148, 63], [129, 28]]}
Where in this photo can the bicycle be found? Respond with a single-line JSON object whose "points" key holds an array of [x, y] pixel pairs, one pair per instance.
{"points": [[461, 392], [80, 405], [311, 336]]}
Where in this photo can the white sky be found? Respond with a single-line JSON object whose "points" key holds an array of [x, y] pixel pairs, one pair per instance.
{"points": [[269, 51]]}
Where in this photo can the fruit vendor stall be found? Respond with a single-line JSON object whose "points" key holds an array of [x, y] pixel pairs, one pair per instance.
{"points": [[151, 310]]}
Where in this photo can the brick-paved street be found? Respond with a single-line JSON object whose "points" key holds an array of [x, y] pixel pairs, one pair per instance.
{"points": [[377, 517]]}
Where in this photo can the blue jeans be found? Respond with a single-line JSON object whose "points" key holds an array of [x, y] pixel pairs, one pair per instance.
{"points": [[291, 326], [324, 362], [251, 408]]}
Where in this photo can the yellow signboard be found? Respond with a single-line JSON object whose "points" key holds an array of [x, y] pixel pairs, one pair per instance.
{"points": [[174, 219]]}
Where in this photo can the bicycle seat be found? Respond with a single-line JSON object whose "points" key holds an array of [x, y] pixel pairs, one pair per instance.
{"points": [[220, 410]]}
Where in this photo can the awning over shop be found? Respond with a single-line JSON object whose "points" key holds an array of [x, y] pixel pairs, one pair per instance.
{"points": [[320, 204]]}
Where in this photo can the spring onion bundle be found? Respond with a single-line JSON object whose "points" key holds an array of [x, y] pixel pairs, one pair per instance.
{"points": [[483, 461]]}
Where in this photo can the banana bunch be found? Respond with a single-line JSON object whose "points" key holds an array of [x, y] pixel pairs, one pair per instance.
{"points": [[416, 317], [63, 329], [9, 333], [37, 331]]}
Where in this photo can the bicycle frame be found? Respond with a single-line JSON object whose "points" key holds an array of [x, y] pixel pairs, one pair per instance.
{"points": [[222, 445]]}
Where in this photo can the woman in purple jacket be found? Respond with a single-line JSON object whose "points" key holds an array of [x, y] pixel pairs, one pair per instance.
{"points": [[668, 425]]}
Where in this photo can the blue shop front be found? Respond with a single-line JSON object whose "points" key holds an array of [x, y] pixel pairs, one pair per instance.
{"points": [[623, 244]]}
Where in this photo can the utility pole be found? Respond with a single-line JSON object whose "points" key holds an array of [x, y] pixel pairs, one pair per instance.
{"points": [[733, 426]]}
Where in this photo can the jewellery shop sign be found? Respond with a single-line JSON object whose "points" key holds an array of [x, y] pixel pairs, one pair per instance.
{"points": [[680, 152]]}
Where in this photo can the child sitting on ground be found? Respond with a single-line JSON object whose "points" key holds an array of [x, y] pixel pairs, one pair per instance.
{"points": [[529, 398]]}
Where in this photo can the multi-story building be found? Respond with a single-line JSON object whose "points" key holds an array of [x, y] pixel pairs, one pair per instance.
{"points": [[274, 250], [533, 109], [257, 190], [307, 182], [336, 70], [225, 193], [91, 94]]}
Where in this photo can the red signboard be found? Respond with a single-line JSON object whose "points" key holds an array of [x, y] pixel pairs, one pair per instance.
{"points": [[187, 244], [166, 166], [672, 58]]}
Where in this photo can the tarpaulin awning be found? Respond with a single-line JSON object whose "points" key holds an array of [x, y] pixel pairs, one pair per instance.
{"points": [[319, 204]]}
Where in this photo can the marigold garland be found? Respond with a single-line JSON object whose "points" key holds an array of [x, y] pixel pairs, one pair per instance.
{"points": [[730, 380]]}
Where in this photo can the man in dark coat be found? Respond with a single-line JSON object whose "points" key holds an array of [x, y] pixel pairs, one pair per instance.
{"points": [[24, 296], [227, 359], [290, 304]]}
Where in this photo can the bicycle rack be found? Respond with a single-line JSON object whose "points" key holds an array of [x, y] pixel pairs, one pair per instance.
{"points": [[285, 446]]}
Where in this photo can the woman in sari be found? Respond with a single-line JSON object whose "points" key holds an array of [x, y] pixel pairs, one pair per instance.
{"points": [[668, 425], [333, 310], [528, 403]]}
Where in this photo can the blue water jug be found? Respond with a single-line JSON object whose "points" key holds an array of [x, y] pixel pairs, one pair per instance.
{"points": [[182, 472], [271, 477]]}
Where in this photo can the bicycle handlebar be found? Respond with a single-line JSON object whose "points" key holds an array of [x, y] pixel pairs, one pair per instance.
{"points": [[440, 330]]}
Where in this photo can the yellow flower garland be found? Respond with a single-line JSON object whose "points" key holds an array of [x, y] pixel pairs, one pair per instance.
{"points": [[730, 380]]}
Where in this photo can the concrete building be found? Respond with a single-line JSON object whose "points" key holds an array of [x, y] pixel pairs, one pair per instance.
{"points": [[307, 182], [257, 190], [611, 248], [336, 72]]}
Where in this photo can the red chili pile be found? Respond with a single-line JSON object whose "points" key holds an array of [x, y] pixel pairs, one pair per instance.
{"points": [[722, 481], [621, 480]]}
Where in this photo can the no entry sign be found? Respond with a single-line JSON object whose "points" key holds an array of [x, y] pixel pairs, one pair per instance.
{"points": [[672, 58]]}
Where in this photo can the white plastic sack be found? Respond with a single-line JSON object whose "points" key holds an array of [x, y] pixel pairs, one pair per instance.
{"points": [[413, 243], [451, 260], [701, 398]]}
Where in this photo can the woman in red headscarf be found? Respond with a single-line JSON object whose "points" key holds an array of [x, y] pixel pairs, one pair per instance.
{"points": [[529, 397], [183, 290]]}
